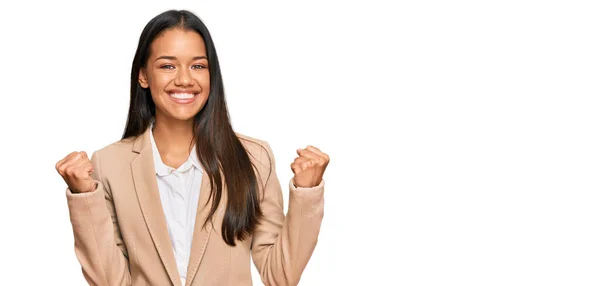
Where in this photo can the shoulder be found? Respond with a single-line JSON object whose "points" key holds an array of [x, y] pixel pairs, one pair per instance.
{"points": [[250, 143], [259, 149], [119, 147], [119, 151]]}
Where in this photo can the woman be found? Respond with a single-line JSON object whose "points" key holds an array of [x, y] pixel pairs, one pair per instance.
{"points": [[182, 199]]}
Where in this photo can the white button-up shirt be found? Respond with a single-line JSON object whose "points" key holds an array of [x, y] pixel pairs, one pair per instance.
{"points": [[179, 192]]}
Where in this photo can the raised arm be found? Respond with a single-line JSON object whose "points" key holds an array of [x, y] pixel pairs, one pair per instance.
{"points": [[282, 245], [99, 245]]}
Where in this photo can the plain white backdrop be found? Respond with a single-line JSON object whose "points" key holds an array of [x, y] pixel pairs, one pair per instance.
{"points": [[463, 135]]}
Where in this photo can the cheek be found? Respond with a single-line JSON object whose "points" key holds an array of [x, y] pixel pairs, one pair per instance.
{"points": [[157, 84], [160, 81], [204, 82], [207, 87]]}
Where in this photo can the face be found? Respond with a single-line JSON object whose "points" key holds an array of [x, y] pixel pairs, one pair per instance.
{"points": [[177, 74]]}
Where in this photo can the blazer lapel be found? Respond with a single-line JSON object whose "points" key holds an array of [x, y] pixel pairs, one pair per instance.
{"points": [[201, 234], [146, 188]]}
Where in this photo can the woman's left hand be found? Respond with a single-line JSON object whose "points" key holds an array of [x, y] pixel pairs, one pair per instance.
{"points": [[309, 167]]}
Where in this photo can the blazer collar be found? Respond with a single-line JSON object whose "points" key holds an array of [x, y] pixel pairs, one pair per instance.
{"points": [[146, 188]]}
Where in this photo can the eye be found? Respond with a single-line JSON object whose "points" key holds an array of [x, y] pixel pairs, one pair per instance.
{"points": [[167, 66], [197, 67]]}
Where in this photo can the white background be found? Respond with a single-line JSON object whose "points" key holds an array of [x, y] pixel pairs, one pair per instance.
{"points": [[464, 135]]}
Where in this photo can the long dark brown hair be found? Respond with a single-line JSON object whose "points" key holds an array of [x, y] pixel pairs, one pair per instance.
{"points": [[217, 145]]}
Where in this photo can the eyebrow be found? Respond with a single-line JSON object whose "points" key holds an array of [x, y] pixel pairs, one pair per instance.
{"points": [[174, 58]]}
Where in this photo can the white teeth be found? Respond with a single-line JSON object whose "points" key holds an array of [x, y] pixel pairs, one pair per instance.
{"points": [[182, 95]]}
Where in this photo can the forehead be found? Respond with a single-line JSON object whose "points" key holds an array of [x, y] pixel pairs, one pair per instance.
{"points": [[179, 43]]}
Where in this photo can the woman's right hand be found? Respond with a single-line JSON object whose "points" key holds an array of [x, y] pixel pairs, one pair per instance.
{"points": [[76, 169]]}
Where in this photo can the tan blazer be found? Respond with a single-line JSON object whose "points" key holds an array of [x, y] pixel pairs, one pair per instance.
{"points": [[121, 235]]}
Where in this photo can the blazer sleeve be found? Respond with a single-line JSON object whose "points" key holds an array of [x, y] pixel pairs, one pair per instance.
{"points": [[282, 245], [99, 245]]}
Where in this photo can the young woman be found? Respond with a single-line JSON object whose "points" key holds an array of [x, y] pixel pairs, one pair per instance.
{"points": [[182, 199]]}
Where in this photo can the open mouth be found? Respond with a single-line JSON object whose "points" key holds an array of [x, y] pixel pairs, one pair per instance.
{"points": [[183, 97]]}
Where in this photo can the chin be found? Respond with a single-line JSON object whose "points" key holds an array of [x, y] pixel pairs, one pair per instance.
{"points": [[184, 117], [181, 113]]}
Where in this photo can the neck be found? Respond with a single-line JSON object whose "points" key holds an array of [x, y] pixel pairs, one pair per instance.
{"points": [[173, 134]]}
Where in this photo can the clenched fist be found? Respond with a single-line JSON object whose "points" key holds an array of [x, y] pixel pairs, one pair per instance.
{"points": [[76, 169], [309, 167]]}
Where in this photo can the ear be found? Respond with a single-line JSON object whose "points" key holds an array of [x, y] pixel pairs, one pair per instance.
{"points": [[142, 79]]}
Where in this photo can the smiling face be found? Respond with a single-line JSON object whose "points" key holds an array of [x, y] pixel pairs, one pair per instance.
{"points": [[177, 74]]}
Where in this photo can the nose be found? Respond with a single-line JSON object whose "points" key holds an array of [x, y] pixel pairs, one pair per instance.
{"points": [[183, 78]]}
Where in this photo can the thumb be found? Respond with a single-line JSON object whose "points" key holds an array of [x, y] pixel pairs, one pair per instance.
{"points": [[90, 170]]}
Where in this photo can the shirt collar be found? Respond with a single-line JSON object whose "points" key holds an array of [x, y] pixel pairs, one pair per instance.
{"points": [[162, 169], [193, 158]]}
